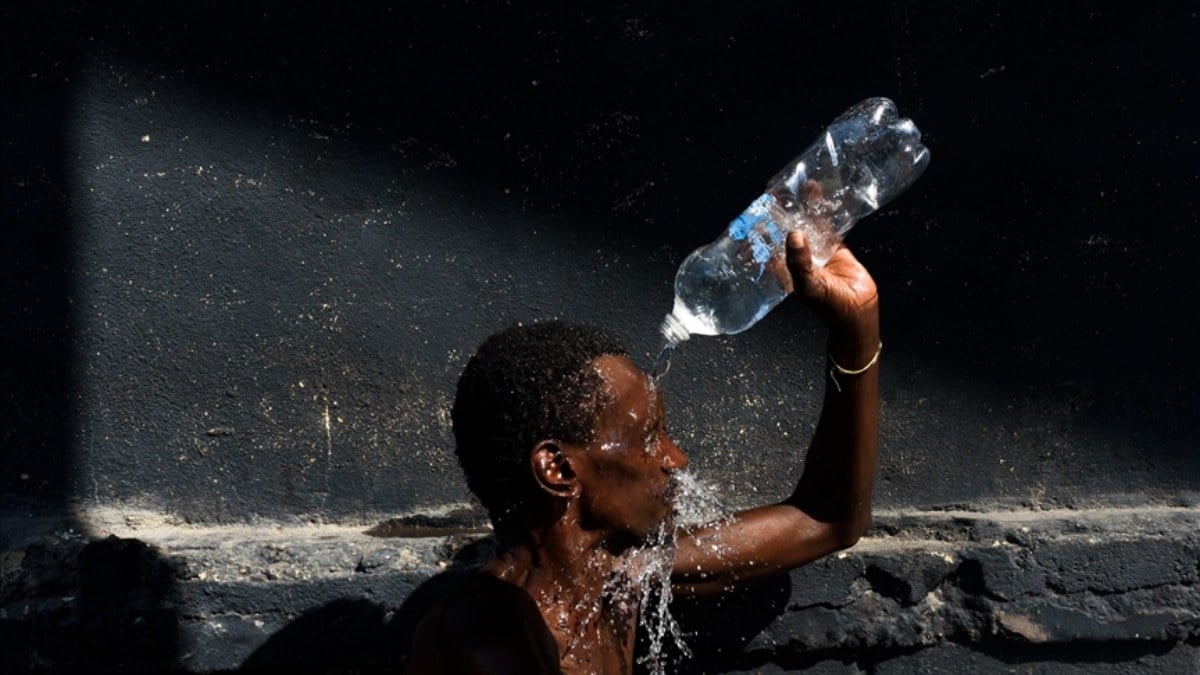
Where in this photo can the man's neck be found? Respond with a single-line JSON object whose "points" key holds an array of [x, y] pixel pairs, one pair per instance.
{"points": [[556, 566], [570, 576]]}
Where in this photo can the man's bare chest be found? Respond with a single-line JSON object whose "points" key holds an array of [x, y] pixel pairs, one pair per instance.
{"points": [[603, 648]]}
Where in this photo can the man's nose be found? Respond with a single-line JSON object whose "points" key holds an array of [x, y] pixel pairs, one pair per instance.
{"points": [[673, 458]]}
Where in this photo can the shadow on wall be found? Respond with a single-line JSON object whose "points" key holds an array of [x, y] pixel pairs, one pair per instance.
{"points": [[36, 263], [105, 606], [347, 635], [358, 635]]}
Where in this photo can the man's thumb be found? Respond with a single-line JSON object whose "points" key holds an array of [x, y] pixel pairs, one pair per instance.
{"points": [[799, 257]]}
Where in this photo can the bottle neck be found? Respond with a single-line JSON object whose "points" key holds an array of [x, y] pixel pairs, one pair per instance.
{"points": [[673, 331]]}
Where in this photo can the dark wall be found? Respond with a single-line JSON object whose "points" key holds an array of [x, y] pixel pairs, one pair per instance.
{"points": [[248, 248]]}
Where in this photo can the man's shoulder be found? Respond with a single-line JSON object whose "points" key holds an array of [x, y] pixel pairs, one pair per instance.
{"points": [[483, 594], [485, 624]]}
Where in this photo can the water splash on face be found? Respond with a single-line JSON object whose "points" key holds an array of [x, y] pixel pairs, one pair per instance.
{"points": [[643, 580], [639, 584], [697, 501]]}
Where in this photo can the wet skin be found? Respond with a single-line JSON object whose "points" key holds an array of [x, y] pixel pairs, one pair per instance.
{"points": [[626, 471], [604, 499], [614, 494]]}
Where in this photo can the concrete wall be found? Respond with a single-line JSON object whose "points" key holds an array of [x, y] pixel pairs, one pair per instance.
{"points": [[247, 250]]}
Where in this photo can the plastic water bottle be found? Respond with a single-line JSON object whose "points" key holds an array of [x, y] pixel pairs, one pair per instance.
{"points": [[864, 159]]}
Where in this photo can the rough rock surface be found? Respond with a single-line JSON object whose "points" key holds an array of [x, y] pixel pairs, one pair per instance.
{"points": [[1063, 591]]}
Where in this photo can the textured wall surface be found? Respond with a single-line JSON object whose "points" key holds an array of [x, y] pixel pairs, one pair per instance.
{"points": [[1100, 590], [247, 250]]}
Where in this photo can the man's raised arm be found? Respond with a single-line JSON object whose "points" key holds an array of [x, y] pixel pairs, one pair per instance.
{"points": [[831, 505]]}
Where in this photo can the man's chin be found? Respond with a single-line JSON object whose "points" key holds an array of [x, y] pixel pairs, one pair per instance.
{"points": [[656, 533], [661, 532]]}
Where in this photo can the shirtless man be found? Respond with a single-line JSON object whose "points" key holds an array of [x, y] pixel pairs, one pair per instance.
{"points": [[563, 440]]}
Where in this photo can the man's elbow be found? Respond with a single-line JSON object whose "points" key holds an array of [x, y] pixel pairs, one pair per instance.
{"points": [[841, 528], [847, 534]]}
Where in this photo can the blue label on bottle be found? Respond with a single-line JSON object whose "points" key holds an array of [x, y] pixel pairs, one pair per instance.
{"points": [[759, 231], [753, 215], [759, 248], [740, 227], [777, 235]]}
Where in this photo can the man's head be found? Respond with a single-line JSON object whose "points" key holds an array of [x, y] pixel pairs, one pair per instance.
{"points": [[553, 414], [524, 385]]}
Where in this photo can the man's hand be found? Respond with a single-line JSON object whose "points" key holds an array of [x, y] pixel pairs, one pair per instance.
{"points": [[842, 293]]}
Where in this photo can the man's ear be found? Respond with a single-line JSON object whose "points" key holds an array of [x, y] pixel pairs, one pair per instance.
{"points": [[554, 470]]}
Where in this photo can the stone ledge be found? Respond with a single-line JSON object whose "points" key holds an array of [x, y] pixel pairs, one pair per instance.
{"points": [[1008, 581], [141, 593]]}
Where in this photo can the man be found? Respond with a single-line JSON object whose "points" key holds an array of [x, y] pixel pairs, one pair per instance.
{"points": [[563, 440]]}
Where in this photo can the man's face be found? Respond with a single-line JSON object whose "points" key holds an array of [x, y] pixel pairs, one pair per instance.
{"points": [[626, 470]]}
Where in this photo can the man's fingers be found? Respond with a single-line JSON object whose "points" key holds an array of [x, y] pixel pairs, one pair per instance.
{"points": [[799, 258], [800, 264]]}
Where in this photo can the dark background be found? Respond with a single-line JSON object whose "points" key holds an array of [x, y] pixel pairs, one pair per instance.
{"points": [[248, 247]]}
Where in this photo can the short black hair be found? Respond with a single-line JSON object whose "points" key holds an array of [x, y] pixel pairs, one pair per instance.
{"points": [[525, 384]]}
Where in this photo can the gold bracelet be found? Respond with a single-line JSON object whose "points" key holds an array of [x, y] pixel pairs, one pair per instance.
{"points": [[846, 371]]}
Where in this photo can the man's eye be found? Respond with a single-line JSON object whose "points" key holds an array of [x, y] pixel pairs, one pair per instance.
{"points": [[650, 443]]}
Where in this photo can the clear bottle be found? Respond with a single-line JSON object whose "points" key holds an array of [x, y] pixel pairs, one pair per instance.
{"points": [[864, 159]]}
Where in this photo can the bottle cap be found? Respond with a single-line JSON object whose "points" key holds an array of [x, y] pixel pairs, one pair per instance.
{"points": [[673, 331]]}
